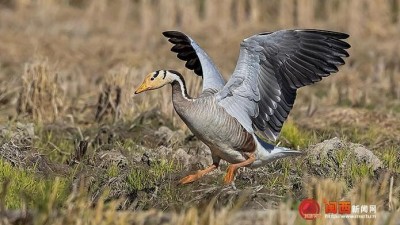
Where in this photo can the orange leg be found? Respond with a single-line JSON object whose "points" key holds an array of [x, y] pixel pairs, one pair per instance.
{"points": [[230, 173], [198, 175]]}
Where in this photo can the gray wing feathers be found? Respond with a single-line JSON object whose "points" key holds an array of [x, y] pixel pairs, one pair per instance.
{"points": [[240, 97], [196, 59], [212, 78], [271, 67]]}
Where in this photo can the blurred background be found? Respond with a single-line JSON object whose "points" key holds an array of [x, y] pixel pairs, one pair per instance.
{"points": [[87, 45]]}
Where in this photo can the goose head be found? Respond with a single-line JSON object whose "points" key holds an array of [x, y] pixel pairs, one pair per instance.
{"points": [[158, 79]]}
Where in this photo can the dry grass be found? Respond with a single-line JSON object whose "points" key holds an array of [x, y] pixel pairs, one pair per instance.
{"points": [[41, 95], [87, 42], [79, 210]]}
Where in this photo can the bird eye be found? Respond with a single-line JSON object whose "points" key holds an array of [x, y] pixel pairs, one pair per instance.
{"points": [[152, 78]]}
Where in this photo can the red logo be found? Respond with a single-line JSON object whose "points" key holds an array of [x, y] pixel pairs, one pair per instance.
{"points": [[341, 207], [309, 209]]}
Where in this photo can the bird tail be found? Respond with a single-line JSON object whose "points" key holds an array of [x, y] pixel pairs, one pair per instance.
{"points": [[286, 151], [271, 153]]}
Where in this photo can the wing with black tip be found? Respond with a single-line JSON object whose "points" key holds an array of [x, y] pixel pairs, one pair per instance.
{"points": [[196, 59], [271, 67]]}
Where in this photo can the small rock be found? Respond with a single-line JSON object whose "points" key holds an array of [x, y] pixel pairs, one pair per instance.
{"points": [[154, 155], [182, 156], [323, 157], [200, 162], [168, 137], [199, 148], [164, 133], [366, 156], [326, 147], [162, 151], [108, 158], [28, 129]]}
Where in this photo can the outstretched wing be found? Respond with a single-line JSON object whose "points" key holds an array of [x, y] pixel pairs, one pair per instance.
{"points": [[271, 67], [196, 59]]}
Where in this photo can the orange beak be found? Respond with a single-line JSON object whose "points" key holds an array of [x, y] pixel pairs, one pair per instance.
{"points": [[143, 87]]}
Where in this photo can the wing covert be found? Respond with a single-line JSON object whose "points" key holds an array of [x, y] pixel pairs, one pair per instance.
{"points": [[270, 69]]}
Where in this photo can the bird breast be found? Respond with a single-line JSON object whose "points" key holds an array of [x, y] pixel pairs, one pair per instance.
{"points": [[216, 128]]}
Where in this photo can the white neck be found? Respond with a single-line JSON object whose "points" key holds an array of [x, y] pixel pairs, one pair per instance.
{"points": [[179, 79]]}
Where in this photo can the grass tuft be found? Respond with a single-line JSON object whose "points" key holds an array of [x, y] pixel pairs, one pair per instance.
{"points": [[113, 171], [24, 187], [293, 136], [390, 157], [140, 178], [57, 148], [41, 95]]}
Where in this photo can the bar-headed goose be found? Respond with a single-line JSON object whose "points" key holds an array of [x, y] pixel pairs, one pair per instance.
{"points": [[232, 117]]}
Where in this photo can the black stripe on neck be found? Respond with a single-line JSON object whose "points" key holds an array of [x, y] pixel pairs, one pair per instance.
{"points": [[180, 77]]}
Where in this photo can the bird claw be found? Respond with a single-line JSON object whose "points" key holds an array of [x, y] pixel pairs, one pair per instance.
{"points": [[200, 173], [230, 175], [189, 179]]}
